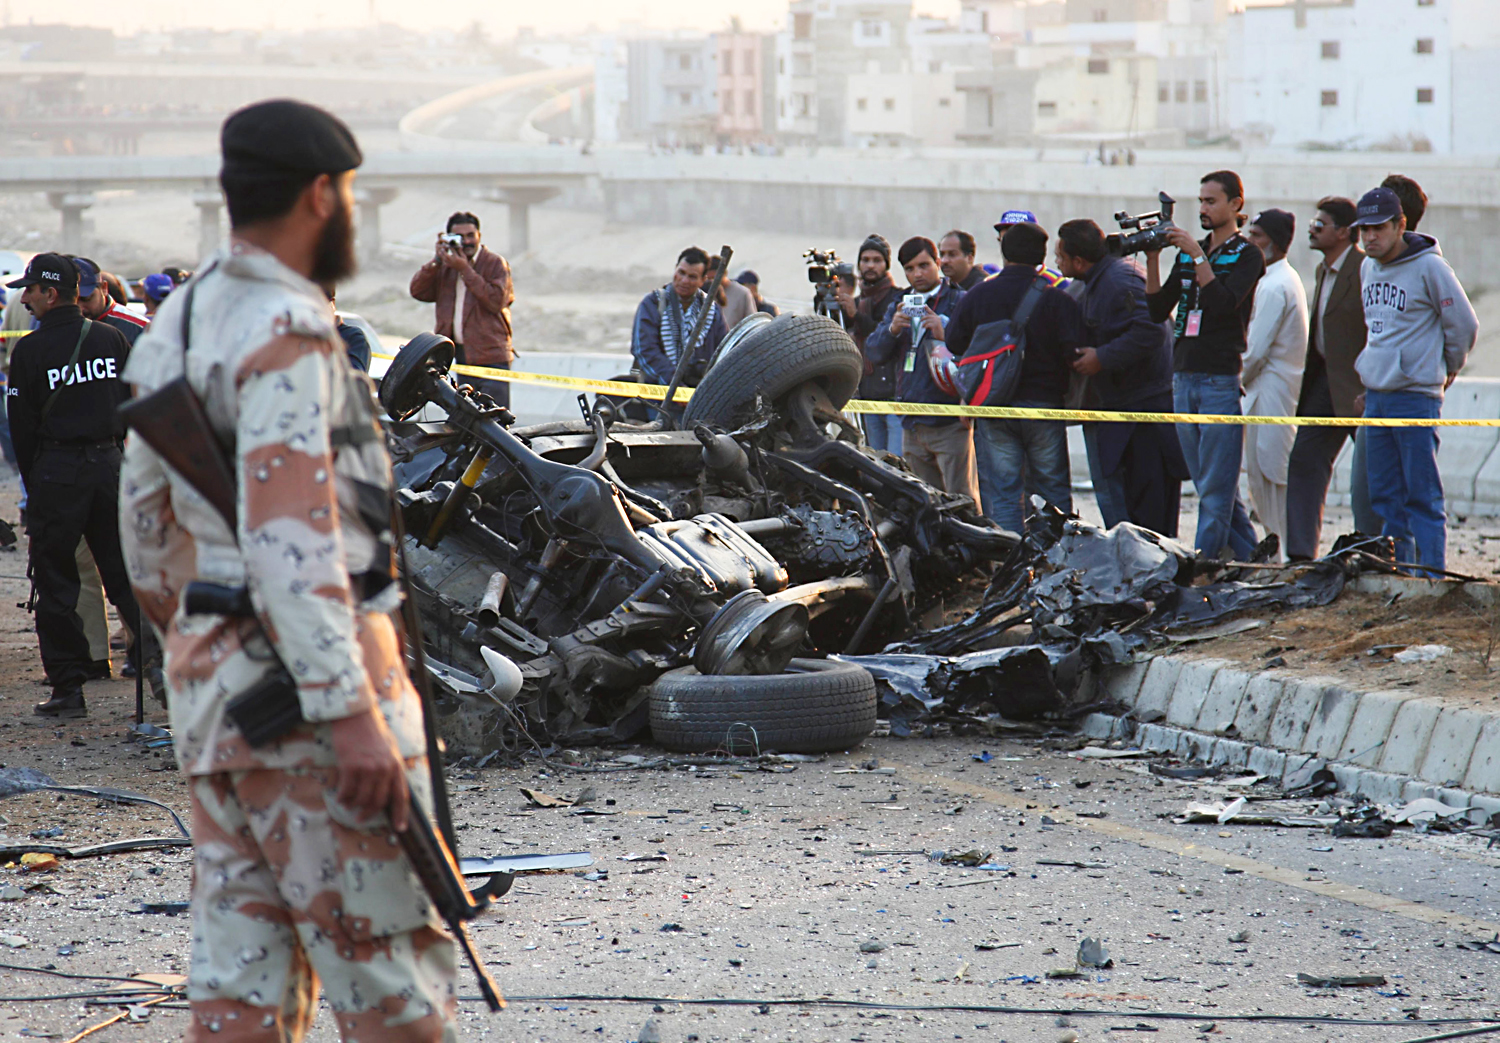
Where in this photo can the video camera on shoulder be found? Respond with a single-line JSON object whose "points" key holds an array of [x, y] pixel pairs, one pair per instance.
{"points": [[1147, 231]]}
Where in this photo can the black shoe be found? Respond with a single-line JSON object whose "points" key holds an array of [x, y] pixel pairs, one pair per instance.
{"points": [[63, 704], [98, 670], [128, 670]]}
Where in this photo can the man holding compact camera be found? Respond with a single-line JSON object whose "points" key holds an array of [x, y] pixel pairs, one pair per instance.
{"points": [[472, 290], [938, 449], [1211, 290]]}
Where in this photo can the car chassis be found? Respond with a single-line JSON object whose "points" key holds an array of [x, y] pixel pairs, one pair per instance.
{"points": [[597, 554]]}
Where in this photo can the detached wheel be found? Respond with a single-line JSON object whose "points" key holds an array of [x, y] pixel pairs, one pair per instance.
{"points": [[773, 359], [816, 706]]}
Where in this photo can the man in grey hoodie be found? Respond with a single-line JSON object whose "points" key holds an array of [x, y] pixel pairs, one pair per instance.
{"points": [[1421, 329]]}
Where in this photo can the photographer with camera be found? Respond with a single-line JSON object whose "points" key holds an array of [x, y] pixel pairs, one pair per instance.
{"points": [[472, 291], [911, 335], [1211, 290], [877, 292], [1136, 469]]}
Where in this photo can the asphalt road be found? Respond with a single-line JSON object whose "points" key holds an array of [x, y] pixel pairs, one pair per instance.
{"points": [[771, 887]]}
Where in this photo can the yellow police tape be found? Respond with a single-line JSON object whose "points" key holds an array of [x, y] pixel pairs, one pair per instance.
{"points": [[658, 391], [13, 333]]}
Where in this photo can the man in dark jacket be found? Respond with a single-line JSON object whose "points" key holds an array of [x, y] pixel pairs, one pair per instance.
{"points": [[65, 390], [939, 450], [665, 319], [1136, 469], [1330, 386], [1017, 457], [876, 292], [956, 253], [1211, 290]]}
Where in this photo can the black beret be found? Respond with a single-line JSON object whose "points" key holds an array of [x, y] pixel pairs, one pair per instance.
{"points": [[1025, 243], [282, 137]]}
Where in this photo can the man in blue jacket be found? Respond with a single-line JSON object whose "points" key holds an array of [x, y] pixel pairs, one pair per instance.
{"points": [[1017, 457], [665, 318], [1137, 469], [939, 450]]}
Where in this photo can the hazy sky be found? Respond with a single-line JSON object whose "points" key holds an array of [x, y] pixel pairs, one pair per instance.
{"points": [[500, 17]]}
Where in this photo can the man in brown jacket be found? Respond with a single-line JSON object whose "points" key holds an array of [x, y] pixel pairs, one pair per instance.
{"points": [[472, 290], [1336, 321]]}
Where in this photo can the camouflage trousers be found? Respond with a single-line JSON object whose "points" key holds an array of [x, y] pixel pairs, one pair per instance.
{"points": [[291, 891]]}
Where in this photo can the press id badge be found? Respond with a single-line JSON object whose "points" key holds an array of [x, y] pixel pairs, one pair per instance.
{"points": [[911, 362], [1194, 323]]}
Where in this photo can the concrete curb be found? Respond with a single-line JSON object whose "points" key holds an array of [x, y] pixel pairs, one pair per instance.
{"points": [[1386, 746]]}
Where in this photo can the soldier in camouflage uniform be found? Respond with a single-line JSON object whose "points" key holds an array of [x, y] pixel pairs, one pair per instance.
{"points": [[299, 878]]}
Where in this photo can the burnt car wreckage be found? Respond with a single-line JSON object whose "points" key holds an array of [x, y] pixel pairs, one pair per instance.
{"points": [[630, 569], [745, 580]]}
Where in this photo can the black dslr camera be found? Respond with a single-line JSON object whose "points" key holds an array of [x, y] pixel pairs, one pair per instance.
{"points": [[1147, 231], [825, 271]]}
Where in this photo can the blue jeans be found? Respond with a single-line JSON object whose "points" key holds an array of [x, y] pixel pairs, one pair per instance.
{"points": [[1018, 459], [1406, 488], [1109, 490], [1213, 453], [883, 431]]}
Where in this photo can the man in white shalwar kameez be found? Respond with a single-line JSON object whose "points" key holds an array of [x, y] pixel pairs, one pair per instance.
{"points": [[1275, 352]]}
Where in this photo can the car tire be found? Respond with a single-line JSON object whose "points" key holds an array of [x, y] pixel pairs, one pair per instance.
{"points": [[817, 706], [774, 358]]}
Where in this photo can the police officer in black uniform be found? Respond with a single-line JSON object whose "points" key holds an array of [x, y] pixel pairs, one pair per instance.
{"points": [[65, 388]]}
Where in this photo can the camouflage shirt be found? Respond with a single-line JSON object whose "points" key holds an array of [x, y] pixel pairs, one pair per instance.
{"points": [[266, 361]]}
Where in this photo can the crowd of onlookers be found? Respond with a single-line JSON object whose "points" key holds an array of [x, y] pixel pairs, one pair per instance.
{"points": [[1226, 330]]}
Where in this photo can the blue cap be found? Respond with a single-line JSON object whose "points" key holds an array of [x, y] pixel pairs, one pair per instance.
{"points": [[1014, 217], [157, 285], [88, 276], [748, 278], [1377, 206]]}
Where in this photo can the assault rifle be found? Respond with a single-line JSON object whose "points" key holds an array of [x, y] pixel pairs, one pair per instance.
{"points": [[172, 421]]}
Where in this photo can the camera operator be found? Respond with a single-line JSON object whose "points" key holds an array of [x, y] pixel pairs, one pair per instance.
{"points": [[877, 292], [1136, 469], [472, 290], [939, 450], [1212, 291]]}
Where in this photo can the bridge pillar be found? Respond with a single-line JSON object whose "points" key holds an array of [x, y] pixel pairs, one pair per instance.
{"points": [[209, 202], [72, 205], [369, 201], [520, 201]]}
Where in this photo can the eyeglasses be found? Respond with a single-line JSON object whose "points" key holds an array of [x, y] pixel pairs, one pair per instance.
{"points": [[1317, 224]]}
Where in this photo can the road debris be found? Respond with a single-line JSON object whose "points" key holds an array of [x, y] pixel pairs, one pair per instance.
{"points": [[1092, 953], [1422, 654], [1350, 981]]}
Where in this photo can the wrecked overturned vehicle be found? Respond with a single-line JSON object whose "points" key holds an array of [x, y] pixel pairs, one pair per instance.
{"points": [[580, 579]]}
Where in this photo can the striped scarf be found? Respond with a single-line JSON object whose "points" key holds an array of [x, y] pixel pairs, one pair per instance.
{"points": [[676, 324]]}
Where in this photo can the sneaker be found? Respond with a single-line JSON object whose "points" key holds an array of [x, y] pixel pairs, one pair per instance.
{"points": [[63, 704]]}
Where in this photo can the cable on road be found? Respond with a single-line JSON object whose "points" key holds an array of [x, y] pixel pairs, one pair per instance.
{"points": [[1489, 1024], [1454, 1035]]}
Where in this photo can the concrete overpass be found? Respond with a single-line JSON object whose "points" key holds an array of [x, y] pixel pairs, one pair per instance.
{"points": [[846, 193], [519, 177]]}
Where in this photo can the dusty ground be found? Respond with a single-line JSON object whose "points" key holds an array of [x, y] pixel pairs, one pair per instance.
{"points": [[772, 881], [774, 878], [1355, 638]]}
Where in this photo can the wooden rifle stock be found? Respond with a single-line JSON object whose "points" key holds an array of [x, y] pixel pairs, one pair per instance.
{"points": [[171, 421]]}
